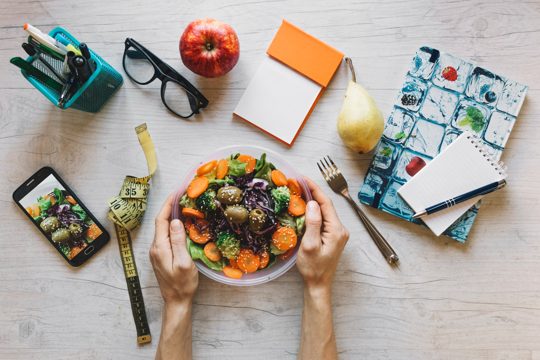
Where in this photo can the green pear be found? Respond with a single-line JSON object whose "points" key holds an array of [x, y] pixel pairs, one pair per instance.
{"points": [[360, 122]]}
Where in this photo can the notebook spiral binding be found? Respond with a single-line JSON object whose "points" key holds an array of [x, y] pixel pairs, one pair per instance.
{"points": [[499, 166]]}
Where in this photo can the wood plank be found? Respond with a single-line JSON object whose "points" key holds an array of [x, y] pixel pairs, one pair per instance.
{"points": [[446, 300]]}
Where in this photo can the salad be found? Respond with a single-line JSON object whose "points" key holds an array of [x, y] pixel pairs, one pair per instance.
{"points": [[241, 215], [64, 221]]}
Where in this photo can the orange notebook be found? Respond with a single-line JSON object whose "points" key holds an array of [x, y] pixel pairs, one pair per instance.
{"points": [[288, 83]]}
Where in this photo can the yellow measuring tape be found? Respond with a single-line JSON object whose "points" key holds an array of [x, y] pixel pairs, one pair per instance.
{"points": [[126, 211]]}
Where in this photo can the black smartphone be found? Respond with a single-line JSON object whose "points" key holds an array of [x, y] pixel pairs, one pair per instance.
{"points": [[61, 216]]}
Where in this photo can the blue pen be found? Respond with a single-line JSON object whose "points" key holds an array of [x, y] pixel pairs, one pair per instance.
{"points": [[486, 189]]}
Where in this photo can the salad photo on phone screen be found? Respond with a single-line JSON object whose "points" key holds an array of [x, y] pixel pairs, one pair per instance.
{"points": [[59, 215]]}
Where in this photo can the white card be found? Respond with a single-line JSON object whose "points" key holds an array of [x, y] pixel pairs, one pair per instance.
{"points": [[278, 100]]}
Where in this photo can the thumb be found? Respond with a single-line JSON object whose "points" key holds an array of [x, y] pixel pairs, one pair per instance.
{"points": [[312, 237], [178, 239]]}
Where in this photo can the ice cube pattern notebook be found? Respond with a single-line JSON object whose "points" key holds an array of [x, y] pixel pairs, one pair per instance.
{"points": [[441, 97], [461, 167]]}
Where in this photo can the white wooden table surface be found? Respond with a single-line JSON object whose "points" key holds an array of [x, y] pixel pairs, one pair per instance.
{"points": [[445, 301]]}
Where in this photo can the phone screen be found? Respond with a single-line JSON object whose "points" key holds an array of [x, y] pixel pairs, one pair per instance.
{"points": [[60, 216]]}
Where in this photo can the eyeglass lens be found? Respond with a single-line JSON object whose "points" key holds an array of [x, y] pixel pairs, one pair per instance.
{"points": [[138, 66]]}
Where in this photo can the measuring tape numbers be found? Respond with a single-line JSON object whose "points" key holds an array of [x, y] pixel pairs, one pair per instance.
{"points": [[126, 212]]}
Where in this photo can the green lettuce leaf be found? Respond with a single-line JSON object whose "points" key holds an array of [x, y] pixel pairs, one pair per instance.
{"points": [[237, 168], [263, 169], [44, 204], [197, 253], [77, 209], [58, 195]]}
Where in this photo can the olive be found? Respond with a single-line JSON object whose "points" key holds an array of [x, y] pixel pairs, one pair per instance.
{"points": [[61, 235], [50, 224], [229, 195], [257, 219], [236, 214], [75, 229]]}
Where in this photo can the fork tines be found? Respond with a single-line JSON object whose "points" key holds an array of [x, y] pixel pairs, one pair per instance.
{"points": [[330, 168]]}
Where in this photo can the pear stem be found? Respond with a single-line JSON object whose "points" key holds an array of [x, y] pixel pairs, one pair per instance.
{"points": [[351, 67]]}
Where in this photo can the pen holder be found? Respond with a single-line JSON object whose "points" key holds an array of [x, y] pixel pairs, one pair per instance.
{"points": [[95, 91]]}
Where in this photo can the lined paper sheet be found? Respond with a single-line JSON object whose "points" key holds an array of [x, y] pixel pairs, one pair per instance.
{"points": [[460, 168]]}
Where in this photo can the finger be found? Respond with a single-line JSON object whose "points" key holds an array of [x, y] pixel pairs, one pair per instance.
{"points": [[162, 224], [311, 241], [178, 242], [327, 207]]}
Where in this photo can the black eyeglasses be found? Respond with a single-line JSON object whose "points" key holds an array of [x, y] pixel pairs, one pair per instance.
{"points": [[177, 94]]}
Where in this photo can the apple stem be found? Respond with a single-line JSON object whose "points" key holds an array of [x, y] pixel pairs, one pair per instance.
{"points": [[351, 67]]}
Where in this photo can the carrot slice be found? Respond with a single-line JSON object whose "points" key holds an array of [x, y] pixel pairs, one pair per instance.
{"points": [[284, 238], [197, 186], [70, 200], [188, 212], [212, 252], [278, 178], [198, 236], [52, 198], [248, 261], [206, 168], [233, 264], [232, 272], [286, 255], [249, 160], [222, 169], [297, 206], [33, 210], [265, 259], [75, 251], [93, 232], [294, 187]]}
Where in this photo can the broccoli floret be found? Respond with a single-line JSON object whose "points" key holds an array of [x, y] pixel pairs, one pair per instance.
{"points": [[187, 202], [207, 201], [286, 220], [281, 196], [297, 223], [220, 182], [300, 225], [228, 244]]}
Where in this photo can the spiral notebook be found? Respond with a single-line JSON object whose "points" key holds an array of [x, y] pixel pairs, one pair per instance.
{"points": [[463, 166]]}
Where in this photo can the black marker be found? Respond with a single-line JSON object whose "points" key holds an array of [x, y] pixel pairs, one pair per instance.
{"points": [[81, 68], [86, 54]]}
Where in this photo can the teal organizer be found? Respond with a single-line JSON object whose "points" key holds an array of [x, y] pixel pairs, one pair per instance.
{"points": [[93, 94]]}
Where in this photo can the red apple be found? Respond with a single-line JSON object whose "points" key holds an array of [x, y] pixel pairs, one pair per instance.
{"points": [[209, 47], [415, 165]]}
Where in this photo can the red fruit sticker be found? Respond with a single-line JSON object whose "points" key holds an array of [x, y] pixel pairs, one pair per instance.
{"points": [[415, 165], [449, 73]]}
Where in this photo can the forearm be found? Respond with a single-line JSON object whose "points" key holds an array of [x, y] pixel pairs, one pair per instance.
{"points": [[318, 340], [175, 339]]}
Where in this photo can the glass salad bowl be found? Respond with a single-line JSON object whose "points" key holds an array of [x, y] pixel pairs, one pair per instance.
{"points": [[276, 268]]}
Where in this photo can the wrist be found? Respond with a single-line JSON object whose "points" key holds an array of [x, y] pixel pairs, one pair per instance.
{"points": [[318, 293], [177, 308]]}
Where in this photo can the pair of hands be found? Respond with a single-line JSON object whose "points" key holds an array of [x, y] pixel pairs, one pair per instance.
{"points": [[317, 259]]}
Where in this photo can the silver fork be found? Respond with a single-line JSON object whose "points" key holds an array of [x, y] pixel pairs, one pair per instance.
{"points": [[338, 184]]}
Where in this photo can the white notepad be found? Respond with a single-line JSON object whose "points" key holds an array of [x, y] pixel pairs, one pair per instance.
{"points": [[463, 166], [278, 100]]}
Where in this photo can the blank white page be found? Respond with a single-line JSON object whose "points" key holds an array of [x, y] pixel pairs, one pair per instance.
{"points": [[278, 99], [460, 168]]}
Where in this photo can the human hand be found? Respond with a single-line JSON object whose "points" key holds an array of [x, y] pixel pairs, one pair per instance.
{"points": [[322, 243], [175, 271]]}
